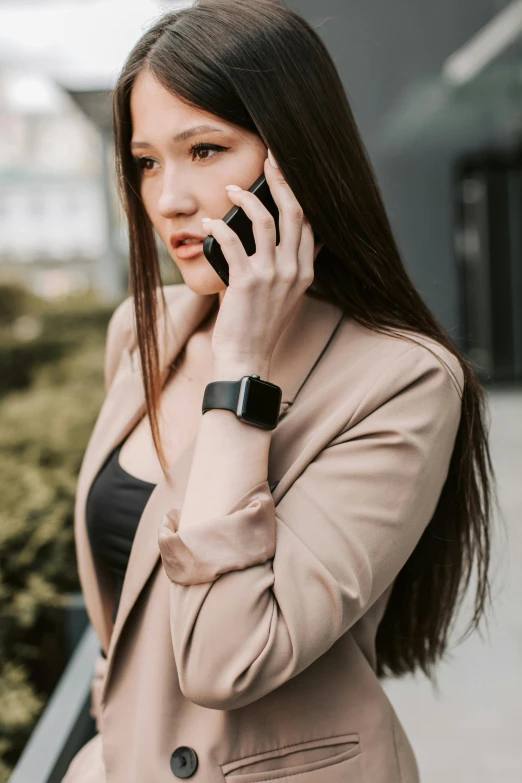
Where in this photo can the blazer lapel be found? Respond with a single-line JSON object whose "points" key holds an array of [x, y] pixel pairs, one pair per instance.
{"points": [[123, 407], [299, 348]]}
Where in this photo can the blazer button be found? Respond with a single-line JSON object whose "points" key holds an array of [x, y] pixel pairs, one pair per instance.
{"points": [[184, 762]]}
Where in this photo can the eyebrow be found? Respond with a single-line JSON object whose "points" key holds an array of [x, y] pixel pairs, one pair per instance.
{"points": [[183, 136]]}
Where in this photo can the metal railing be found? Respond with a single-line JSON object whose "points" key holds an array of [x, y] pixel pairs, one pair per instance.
{"points": [[65, 725]]}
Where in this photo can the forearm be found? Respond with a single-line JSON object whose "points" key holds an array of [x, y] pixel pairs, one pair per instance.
{"points": [[230, 456]]}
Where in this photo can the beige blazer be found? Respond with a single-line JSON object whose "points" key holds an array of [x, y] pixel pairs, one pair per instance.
{"points": [[243, 648]]}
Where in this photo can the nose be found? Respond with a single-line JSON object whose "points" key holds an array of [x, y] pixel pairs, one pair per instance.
{"points": [[175, 197]]}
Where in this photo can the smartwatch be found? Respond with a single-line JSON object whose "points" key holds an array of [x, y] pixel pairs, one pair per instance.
{"points": [[253, 401]]}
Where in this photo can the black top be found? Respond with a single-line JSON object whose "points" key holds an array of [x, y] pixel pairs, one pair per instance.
{"points": [[114, 507]]}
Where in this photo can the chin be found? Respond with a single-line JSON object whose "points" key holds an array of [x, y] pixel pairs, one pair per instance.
{"points": [[205, 282]]}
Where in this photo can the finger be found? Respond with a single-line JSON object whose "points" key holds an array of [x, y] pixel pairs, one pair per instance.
{"points": [[263, 224], [307, 253], [291, 215], [231, 245]]}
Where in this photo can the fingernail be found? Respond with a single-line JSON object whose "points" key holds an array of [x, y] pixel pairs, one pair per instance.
{"points": [[272, 160], [206, 220], [232, 187]]}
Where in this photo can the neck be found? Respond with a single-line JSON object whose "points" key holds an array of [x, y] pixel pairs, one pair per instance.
{"points": [[210, 320]]}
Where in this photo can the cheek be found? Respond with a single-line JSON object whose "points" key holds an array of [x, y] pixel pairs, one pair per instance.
{"points": [[149, 198]]}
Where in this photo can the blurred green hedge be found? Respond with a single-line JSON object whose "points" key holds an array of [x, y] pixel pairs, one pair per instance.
{"points": [[34, 332], [44, 429], [15, 300]]}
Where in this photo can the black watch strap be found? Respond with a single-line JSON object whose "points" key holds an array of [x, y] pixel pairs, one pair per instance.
{"points": [[253, 401], [221, 394]]}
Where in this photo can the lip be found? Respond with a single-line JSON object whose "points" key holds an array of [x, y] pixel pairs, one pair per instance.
{"points": [[179, 236], [186, 252]]}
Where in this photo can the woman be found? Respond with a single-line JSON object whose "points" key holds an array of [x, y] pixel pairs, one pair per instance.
{"points": [[250, 586]]}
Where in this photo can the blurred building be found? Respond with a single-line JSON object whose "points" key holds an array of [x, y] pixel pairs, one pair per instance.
{"points": [[54, 233], [436, 89], [51, 229]]}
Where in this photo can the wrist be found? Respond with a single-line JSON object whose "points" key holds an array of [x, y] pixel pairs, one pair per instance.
{"points": [[235, 369]]}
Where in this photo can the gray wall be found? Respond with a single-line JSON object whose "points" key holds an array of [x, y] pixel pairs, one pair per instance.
{"points": [[380, 47]]}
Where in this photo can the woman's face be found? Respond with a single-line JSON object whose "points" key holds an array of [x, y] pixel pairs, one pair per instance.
{"points": [[184, 171]]}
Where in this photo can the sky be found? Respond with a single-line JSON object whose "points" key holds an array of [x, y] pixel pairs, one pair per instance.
{"points": [[80, 44]]}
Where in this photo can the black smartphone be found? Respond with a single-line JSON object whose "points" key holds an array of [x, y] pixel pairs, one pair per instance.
{"points": [[241, 224]]}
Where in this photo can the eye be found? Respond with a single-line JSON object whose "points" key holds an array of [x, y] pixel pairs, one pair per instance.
{"points": [[142, 163], [197, 148]]}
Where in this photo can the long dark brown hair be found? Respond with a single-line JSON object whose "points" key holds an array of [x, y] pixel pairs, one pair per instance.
{"points": [[259, 65]]}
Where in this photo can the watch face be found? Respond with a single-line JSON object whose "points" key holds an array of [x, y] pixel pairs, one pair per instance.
{"points": [[261, 403]]}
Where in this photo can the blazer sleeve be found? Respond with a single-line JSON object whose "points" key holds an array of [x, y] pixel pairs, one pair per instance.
{"points": [[259, 593]]}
